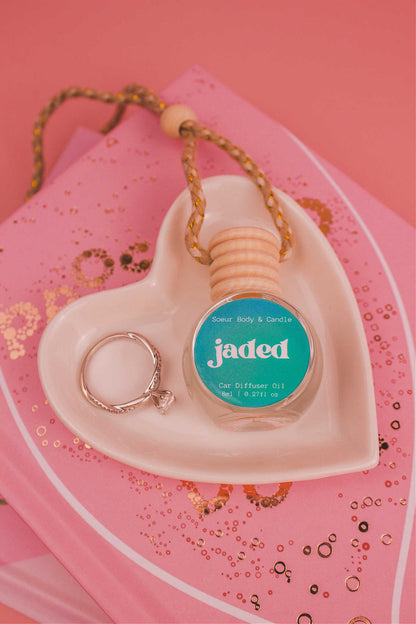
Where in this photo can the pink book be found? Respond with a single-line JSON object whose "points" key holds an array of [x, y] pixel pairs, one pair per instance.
{"points": [[32, 580], [149, 548]]}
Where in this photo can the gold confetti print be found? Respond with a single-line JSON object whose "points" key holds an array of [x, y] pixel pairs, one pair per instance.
{"points": [[267, 501], [90, 257], [204, 506], [52, 298], [130, 261], [18, 323], [321, 209]]}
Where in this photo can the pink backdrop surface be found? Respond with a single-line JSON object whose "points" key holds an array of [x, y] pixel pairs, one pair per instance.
{"points": [[339, 75]]}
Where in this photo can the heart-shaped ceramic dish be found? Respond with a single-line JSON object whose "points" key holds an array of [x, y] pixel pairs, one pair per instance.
{"points": [[338, 433]]}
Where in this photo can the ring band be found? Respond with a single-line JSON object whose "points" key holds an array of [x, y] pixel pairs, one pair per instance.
{"points": [[162, 399]]}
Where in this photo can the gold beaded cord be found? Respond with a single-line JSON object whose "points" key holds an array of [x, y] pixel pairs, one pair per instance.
{"points": [[190, 131]]}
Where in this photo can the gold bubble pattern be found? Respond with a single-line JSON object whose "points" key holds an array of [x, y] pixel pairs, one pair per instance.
{"points": [[17, 324], [92, 258], [53, 299]]}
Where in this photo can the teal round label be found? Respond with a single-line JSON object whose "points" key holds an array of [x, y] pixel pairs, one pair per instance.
{"points": [[251, 352]]}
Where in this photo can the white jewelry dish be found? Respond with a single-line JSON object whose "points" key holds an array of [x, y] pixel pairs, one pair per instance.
{"points": [[337, 434]]}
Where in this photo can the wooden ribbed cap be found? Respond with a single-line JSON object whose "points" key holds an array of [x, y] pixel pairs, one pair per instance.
{"points": [[244, 258]]}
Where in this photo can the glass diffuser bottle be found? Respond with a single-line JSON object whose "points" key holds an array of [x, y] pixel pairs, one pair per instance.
{"points": [[252, 361]]}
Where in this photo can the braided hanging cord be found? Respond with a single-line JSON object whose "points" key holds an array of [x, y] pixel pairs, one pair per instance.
{"points": [[190, 131], [132, 94]]}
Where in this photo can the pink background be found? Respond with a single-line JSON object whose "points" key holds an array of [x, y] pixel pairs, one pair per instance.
{"points": [[339, 75]]}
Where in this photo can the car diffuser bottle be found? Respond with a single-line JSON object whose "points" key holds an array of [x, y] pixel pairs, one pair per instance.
{"points": [[253, 361]]}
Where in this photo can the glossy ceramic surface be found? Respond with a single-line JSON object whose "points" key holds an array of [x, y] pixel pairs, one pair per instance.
{"points": [[338, 433]]}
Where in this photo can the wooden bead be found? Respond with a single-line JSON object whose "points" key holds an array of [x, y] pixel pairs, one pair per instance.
{"points": [[173, 117]]}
